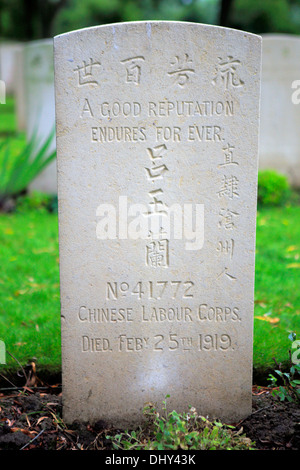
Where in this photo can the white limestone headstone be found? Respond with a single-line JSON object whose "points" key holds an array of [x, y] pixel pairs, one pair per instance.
{"points": [[279, 147], [20, 97], [40, 105], [157, 141], [8, 51]]}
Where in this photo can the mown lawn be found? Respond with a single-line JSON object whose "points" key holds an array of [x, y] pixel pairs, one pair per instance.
{"points": [[29, 286], [7, 118], [277, 282]]}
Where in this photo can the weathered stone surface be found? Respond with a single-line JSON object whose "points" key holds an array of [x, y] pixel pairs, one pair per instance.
{"points": [[40, 105], [279, 147], [164, 115]]}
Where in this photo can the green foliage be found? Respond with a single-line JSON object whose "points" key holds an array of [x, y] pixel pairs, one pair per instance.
{"points": [[18, 171], [29, 289], [7, 117], [36, 201], [273, 188], [277, 280], [185, 431], [77, 14], [27, 20], [290, 390], [269, 16]]}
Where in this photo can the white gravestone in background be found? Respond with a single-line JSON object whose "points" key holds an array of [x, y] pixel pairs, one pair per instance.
{"points": [[40, 105], [8, 51], [20, 98], [153, 119], [279, 147]]}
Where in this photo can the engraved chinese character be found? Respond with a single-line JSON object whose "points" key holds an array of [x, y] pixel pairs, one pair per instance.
{"points": [[85, 73], [157, 253], [227, 219], [133, 69], [226, 247], [157, 152], [157, 207], [226, 72], [182, 71], [226, 273], [229, 187], [228, 156], [156, 172]]}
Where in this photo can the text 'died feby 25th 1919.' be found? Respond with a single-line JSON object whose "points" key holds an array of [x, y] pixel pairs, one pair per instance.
{"points": [[201, 342]]}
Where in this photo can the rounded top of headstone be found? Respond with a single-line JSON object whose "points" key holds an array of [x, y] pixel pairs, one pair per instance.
{"points": [[130, 25]]}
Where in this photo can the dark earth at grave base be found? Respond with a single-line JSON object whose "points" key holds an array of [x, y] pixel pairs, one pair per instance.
{"points": [[31, 420]]}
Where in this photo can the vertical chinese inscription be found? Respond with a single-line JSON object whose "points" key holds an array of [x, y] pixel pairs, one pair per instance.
{"points": [[227, 75], [157, 249]]}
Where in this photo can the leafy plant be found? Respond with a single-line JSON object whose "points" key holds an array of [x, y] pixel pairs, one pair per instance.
{"points": [[17, 172], [273, 188], [36, 201], [290, 388], [184, 431]]}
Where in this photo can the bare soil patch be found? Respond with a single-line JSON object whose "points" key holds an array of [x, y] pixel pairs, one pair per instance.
{"points": [[32, 420]]}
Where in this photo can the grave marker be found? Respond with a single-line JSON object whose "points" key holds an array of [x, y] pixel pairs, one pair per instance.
{"points": [[8, 51], [20, 98], [280, 108], [157, 140], [40, 105]]}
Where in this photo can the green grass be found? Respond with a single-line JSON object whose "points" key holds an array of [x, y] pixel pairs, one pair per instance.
{"points": [[29, 286], [8, 126], [7, 118], [277, 282]]}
